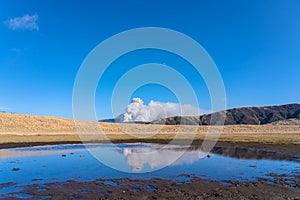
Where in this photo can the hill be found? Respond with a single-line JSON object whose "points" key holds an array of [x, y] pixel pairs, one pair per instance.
{"points": [[245, 115], [30, 123]]}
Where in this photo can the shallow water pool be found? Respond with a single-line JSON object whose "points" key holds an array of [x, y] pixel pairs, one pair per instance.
{"points": [[57, 163]]}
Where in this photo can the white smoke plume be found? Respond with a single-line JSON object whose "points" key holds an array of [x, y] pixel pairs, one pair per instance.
{"points": [[138, 111]]}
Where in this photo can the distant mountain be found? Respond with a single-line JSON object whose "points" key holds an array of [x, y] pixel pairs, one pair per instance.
{"points": [[245, 115], [108, 120], [188, 120], [120, 119]]}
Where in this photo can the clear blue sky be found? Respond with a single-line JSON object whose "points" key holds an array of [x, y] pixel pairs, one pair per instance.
{"points": [[255, 44]]}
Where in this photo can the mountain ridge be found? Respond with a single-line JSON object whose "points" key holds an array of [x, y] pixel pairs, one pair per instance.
{"points": [[244, 115]]}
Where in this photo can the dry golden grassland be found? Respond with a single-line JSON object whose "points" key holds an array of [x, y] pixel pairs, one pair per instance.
{"points": [[19, 128]]}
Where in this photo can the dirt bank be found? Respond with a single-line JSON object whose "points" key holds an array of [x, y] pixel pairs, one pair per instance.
{"points": [[281, 187]]}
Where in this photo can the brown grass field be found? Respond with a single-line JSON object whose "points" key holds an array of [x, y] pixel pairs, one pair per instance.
{"points": [[26, 130]]}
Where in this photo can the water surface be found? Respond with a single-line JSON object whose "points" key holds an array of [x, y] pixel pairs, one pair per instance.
{"points": [[57, 163]]}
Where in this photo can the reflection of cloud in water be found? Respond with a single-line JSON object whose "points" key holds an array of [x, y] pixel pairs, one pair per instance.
{"points": [[137, 158]]}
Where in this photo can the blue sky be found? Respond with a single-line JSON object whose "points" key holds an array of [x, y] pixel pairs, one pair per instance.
{"points": [[255, 45]]}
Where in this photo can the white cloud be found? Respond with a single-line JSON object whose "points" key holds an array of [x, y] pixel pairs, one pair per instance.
{"points": [[138, 111], [3, 108], [27, 22]]}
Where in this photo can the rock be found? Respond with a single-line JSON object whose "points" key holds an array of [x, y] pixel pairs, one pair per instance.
{"points": [[16, 169], [273, 174]]}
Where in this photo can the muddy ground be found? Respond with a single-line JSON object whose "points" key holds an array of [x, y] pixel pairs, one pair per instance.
{"points": [[275, 187]]}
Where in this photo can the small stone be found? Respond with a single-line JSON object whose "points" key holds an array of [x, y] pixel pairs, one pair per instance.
{"points": [[273, 174]]}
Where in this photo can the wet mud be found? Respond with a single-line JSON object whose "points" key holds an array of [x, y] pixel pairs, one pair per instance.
{"points": [[280, 187]]}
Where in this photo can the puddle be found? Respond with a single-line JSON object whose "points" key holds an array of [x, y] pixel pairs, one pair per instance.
{"points": [[46, 197], [59, 163], [9, 189], [151, 188], [110, 182], [23, 195], [227, 183]]}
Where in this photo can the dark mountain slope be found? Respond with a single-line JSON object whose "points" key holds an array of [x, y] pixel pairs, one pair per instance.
{"points": [[245, 115]]}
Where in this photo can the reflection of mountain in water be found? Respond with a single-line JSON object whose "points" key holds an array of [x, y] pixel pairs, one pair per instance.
{"points": [[254, 154], [155, 156]]}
